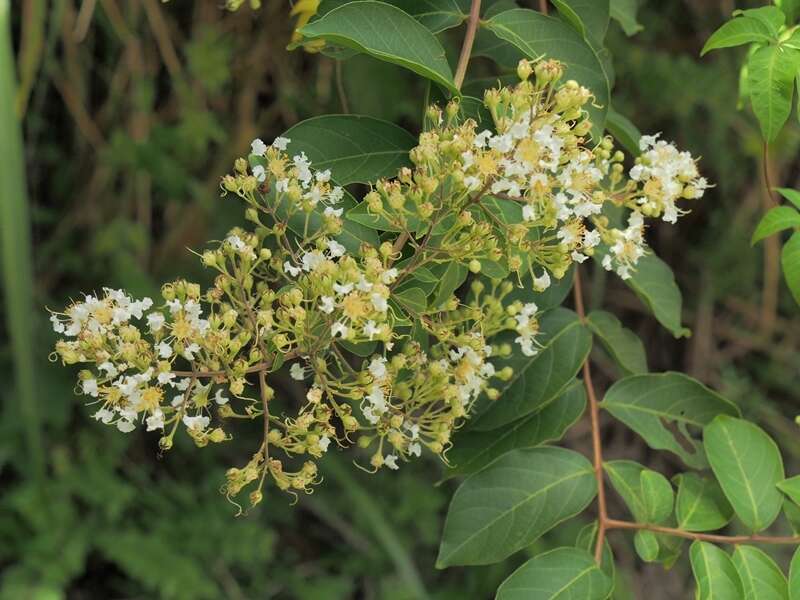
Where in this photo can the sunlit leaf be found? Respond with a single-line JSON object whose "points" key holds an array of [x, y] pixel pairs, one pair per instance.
{"points": [[715, 574]]}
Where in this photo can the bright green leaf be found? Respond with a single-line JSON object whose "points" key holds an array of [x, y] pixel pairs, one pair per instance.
{"points": [[761, 578], [790, 263], [473, 450], [771, 71], [715, 574], [539, 379], [356, 149], [560, 574], [645, 402], [509, 504], [736, 32], [624, 13], [770, 16], [701, 505], [794, 577], [748, 466], [624, 346], [646, 545], [387, 33], [777, 219], [791, 195], [536, 35], [791, 487]]}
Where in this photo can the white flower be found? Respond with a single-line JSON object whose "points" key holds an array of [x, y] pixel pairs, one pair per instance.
{"points": [[290, 269], [125, 426], [324, 176], [526, 345], [377, 368], [370, 330], [323, 443], [297, 372], [343, 289], [258, 147], [336, 249], [89, 387], [363, 285], [280, 143], [528, 212], [339, 329], [155, 321], [314, 395], [540, 284], [326, 304], [259, 173], [591, 238], [311, 260], [389, 275], [164, 350], [104, 415], [58, 326], [155, 421], [197, 423], [380, 303], [183, 384], [578, 257], [165, 377], [109, 369], [190, 351], [391, 461], [282, 185], [333, 212], [472, 183], [219, 398], [415, 449]]}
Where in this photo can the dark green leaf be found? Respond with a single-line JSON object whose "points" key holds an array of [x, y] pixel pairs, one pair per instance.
{"points": [[588, 17], [357, 149], [624, 13], [557, 575], [715, 574], [777, 219], [790, 8], [537, 487], [625, 132], [736, 32], [413, 299], [624, 346], [539, 379], [535, 35], [791, 487], [748, 466], [646, 403], [473, 450], [771, 71], [646, 545], [587, 538], [790, 263], [647, 494], [455, 274], [387, 33], [701, 505], [761, 578]]}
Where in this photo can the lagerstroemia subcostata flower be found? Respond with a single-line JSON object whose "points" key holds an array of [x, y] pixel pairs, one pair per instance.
{"points": [[516, 205]]}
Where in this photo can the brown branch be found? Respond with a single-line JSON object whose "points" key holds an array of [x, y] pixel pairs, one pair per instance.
{"points": [[543, 6], [469, 39], [705, 537], [594, 414]]}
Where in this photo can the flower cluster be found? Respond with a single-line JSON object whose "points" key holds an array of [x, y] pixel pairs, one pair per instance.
{"points": [[393, 340]]}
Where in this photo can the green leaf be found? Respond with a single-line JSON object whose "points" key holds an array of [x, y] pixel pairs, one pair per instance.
{"points": [[536, 35], [624, 13], [647, 494], [589, 17], [791, 487], [761, 578], [657, 495], [357, 149], [512, 502], [770, 16], [645, 402], [387, 33], [587, 539], [715, 574], [790, 263], [791, 195], [748, 466], [473, 450], [625, 132], [539, 379], [413, 299], [436, 15], [792, 513], [771, 71], [701, 505], [560, 574], [777, 219], [736, 32], [790, 8], [654, 284], [621, 343], [646, 545], [794, 577], [455, 274]]}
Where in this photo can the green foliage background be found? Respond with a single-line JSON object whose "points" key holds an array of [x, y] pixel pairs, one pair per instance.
{"points": [[132, 112]]}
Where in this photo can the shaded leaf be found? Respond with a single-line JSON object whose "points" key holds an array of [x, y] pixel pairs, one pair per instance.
{"points": [[771, 71], [513, 501], [647, 494], [589, 17], [646, 545], [587, 538], [748, 466], [794, 576], [646, 402], [701, 505], [790, 264], [622, 344], [714, 572], [761, 578], [624, 13], [625, 132], [791, 487], [559, 574], [657, 495]]}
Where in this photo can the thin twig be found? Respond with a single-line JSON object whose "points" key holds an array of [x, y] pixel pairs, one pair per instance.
{"points": [[469, 39], [543, 6], [706, 537], [594, 413], [340, 88]]}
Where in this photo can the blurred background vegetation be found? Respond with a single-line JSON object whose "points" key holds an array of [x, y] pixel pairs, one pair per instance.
{"points": [[131, 112]]}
